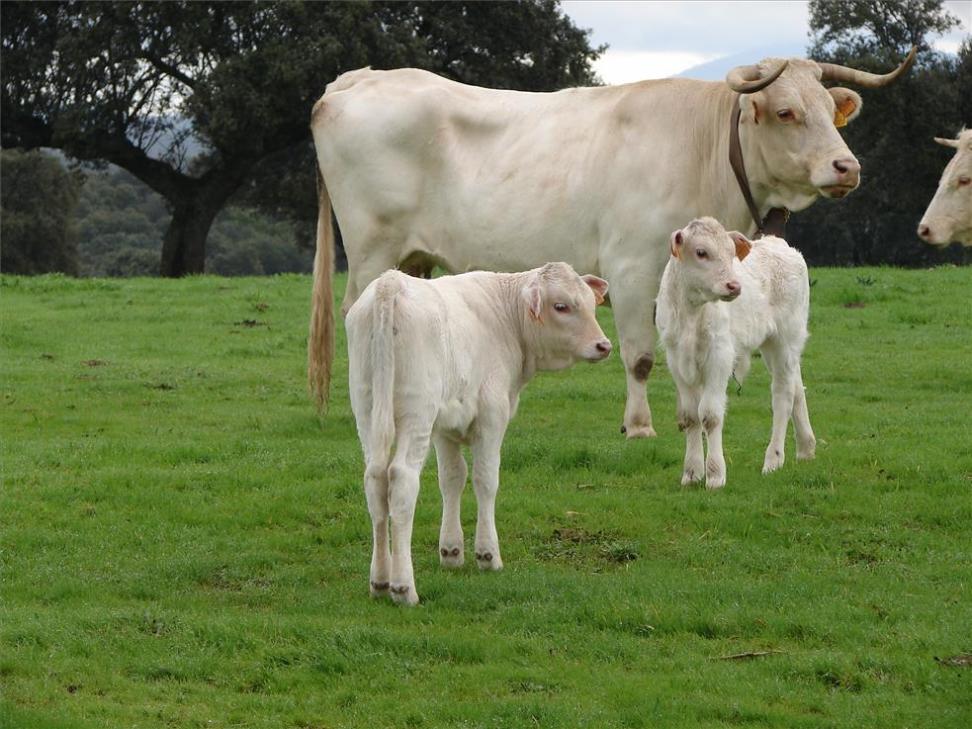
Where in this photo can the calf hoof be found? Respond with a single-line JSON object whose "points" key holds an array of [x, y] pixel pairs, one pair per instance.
{"points": [[715, 482], [773, 460], [378, 589], [451, 558], [403, 594], [638, 431], [806, 452], [488, 561], [690, 476]]}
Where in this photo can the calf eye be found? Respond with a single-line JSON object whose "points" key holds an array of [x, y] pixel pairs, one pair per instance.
{"points": [[963, 181], [785, 115], [562, 308], [702, 253]]}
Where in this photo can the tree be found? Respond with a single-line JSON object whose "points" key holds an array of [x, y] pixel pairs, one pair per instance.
{"points": [[110, 81], [893, 135], [38, 198]]}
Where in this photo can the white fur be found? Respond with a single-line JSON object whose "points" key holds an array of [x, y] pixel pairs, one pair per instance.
{"points": [[707, 339], [444, 361]]}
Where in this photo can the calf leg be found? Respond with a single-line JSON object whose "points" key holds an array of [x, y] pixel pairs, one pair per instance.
{"points": [[806, 442], [689, 423], [452, 480], [782, 364], [486, 463], [403, 486], [376, 492], [712, 410]]}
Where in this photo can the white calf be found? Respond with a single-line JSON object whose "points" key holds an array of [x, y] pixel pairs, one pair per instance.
{"points": [[444, 360], [721, 297]]}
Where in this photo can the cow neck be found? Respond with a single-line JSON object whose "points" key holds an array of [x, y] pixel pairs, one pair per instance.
{"points": [[775, 221]]}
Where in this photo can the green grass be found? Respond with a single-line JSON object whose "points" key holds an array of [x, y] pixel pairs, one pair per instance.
{"points": [[184, 544]]}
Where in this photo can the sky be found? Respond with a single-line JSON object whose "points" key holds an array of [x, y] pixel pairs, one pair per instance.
{"points": [[665, 38]]}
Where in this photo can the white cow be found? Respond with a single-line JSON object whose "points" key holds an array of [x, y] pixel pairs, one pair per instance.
{"points": [[949, 214], [707, 339], [445, 360], [422, 170]]}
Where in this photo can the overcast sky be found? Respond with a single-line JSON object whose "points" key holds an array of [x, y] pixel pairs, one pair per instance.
{"points": [[663, 38]]}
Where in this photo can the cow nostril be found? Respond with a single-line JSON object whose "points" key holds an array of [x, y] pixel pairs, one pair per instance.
{"points": [[924, 231], [732, 286], [840, 166], [604, 346]]}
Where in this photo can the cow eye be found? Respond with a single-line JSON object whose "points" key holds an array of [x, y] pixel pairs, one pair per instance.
{"points": [[963, 181], [702, 253], [785, 115], [562, 308]]}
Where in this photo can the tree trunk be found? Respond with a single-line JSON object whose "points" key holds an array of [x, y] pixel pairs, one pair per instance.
{"points": [[184, 245]]}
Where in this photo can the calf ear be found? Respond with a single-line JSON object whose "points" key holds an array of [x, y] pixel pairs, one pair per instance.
{"points": [[599, 286], [676, 244], [743, 244], [847, 105], [534, 302]]}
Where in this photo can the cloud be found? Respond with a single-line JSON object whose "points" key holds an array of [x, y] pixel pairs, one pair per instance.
{"points": [[621, 67]]}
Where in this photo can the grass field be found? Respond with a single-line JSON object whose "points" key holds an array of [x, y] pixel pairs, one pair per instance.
{"points": [[184, 544]]}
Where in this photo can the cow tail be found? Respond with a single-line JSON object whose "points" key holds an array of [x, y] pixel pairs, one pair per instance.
{"points": [[383, 369], [320, 343]]}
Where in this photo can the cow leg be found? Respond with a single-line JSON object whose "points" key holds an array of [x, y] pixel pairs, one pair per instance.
{"points": [[486, 463], [806, 441], [376, 492], [633, 302], [362, 270], [452, 480], [782, 364], [411, 448]]}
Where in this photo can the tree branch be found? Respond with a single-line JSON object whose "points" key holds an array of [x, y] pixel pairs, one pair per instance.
{"points": [[171, 70]]}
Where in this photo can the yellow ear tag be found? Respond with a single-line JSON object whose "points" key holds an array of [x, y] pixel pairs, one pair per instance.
{"points": [[840, 119]]}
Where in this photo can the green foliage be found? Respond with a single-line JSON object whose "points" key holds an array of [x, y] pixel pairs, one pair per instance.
{"points": [[893, 134], [121, 223], [184, 544], [38, 199]]}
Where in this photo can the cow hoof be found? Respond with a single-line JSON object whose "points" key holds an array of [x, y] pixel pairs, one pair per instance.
{"points": [[807, 452], [404, 594], [713, 482], [378, 589], [639, 431], [451, 558], [689, 477], [773, 460]]}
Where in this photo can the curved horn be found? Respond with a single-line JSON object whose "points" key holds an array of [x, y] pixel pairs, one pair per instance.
{"points": [[954, 143], [747, 79], [836, 72]]}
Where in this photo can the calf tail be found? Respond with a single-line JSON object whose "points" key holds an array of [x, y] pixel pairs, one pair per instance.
{"points": [[383, 369], [320, 342]]}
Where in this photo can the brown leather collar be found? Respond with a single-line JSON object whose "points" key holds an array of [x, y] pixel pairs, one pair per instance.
{"points": [[775, 221]]}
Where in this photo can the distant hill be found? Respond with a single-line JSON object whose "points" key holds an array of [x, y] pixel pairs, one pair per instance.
{"points": [[716, 70]]}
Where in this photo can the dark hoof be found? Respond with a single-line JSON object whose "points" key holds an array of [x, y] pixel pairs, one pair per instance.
{"points": [[623, 430], [485, 556], [399, 589], [444, 552], [379, 586], [455, 552]]}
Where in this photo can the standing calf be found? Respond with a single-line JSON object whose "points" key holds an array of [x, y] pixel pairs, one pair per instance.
{"points": [[721, 297], [444, 361]]}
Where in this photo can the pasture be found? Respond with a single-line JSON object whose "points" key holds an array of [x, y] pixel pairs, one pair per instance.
{"points": [[185, 544]]}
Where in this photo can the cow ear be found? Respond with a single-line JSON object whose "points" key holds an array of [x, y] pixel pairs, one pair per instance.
{"points": [[676, 244], [534, 302], [750, 105], [953, 143], [847, 105], [743, 244], [599, 286]]}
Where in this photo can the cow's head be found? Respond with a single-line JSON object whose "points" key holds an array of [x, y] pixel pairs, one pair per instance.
{"points": [[559, 305], [949, 214], [705, 255], [793, 148]]}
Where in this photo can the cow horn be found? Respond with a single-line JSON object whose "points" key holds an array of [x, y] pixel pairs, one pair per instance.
{"points": [[747, 79], [835, 72], [954, 143]]}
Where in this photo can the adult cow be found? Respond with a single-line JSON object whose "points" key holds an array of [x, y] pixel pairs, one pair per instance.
{"points": [[421, 170], [949, 214]]}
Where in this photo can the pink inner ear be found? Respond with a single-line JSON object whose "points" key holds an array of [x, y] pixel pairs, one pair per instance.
{"points": [[536, 304], [598, 285]]}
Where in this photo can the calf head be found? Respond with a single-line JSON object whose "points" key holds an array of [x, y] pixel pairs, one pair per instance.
{"points": [[705, 255], [949, 214], [791, 120], [560, 306]]}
